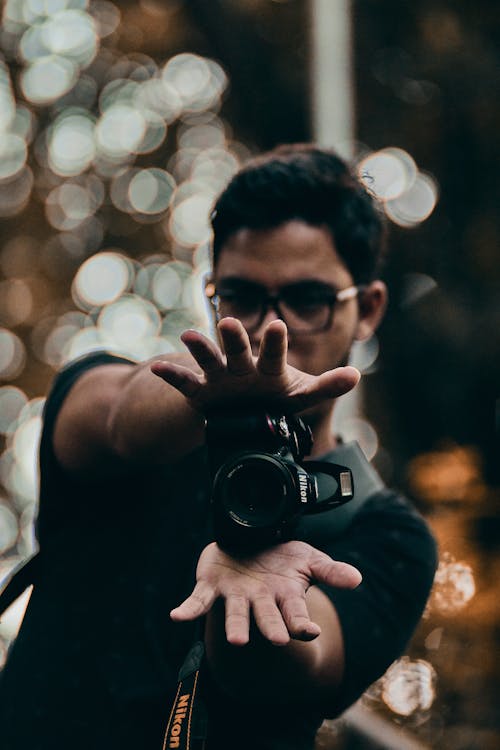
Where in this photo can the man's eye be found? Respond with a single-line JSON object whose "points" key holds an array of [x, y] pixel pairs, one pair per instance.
{"points": [[306, 301], [246, 302], [240, 301]]}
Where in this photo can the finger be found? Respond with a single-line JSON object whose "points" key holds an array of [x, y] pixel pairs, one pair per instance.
{"points": [[269, 620], [334, 573], [197, 604], [297, 620], [237, 620], [273, 349], [182, 378], [206, 353], [236, 347], [328, 385], [339, 381]]}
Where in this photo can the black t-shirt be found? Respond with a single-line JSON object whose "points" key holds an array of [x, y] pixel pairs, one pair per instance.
{"points": [[96, 658]]}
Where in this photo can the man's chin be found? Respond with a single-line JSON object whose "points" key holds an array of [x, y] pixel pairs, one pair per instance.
{"points": [[314, 414]]}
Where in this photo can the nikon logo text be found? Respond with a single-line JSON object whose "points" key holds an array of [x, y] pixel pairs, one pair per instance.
{"points": [[303, 488], [179, 716]]}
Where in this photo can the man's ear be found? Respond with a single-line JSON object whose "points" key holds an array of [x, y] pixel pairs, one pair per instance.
{"points": [[372, 305]]}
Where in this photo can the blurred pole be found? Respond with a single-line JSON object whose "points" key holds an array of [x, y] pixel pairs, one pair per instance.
{"points": [[331, 75], [332, 106], [379, 731]]}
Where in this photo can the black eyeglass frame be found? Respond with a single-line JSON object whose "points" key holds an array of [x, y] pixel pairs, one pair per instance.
{"points": [[272, 301]]}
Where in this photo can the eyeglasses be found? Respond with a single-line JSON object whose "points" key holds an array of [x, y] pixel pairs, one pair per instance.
{"points": [[305, 306]]}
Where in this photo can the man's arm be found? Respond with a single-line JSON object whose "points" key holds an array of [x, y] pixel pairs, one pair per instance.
{"points": [[117, 416]]}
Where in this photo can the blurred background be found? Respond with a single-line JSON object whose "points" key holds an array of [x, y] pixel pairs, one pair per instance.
{"points": [[120, 122]]}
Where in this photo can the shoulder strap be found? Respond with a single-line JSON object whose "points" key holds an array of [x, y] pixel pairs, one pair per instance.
{"points": [[367, 483], [18, 581]]}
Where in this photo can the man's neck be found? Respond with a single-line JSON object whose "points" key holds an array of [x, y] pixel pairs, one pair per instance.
{"points": [[321, 426]]}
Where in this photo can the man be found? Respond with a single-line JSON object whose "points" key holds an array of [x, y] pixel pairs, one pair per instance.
{"points": [[290, 634]]}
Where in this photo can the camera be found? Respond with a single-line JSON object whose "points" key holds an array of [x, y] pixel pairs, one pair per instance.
{"points": [[261, 485]]}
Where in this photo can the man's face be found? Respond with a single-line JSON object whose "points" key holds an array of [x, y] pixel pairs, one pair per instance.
{"points": [[292, 253]]}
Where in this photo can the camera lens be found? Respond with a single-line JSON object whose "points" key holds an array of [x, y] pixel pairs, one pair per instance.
{"points": [[255, 491]]}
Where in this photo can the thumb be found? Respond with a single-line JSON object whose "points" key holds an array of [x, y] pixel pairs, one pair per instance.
{"points": [[197, 604], [334, 573]]}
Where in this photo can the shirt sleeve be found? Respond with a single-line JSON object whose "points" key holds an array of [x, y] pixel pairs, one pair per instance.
{"points": [[396, 554], [63, 383], [53, 483]]}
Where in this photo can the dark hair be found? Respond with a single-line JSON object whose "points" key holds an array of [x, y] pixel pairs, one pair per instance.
{"points": [[314, 185]]}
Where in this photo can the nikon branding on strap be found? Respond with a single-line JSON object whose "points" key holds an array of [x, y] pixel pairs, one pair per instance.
{"points": [[187, 723]]}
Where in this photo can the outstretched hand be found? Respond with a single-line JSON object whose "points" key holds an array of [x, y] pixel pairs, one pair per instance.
{"points": [[237, 374], [271, 585]]}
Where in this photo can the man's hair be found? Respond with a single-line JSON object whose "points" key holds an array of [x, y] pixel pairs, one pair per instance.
{"points": [[314, 185]]}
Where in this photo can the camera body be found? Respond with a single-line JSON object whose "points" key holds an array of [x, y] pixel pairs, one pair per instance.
{"points": [[261, 485]]}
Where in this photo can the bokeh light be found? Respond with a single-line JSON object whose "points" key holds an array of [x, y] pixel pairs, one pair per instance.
{"points": [[12, 354], [415, 204], [48, 78], [106, 17], [416, 286], [71, 34], [409, 686], [199, 82], [25, 444], [166, 286], [19, 465], [150, 191], [190, 223], [454, 586], [13, 617], [71, 142], [13, 154], [12, 402], [359, 429], [68, 205], [130, 320], [214, 167], [364, 354], [16, 301], [119, 131], [101, 279], [16, 192], [451, 474], [7, 101], [408, 195], [389, 172], [24, 123], [8, 528]]}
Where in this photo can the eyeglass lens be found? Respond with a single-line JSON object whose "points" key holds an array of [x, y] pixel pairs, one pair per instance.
{"points": [[305, 306]]}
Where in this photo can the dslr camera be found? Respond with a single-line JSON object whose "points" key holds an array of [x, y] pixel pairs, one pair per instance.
{"points": [[261, 486]]}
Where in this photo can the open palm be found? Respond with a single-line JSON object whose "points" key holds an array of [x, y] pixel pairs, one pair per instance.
{"points": [[271, 586], [236, 374]]}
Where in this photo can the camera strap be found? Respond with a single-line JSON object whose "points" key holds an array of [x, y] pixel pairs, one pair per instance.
{"points": [[327, 526], [187, 723]]}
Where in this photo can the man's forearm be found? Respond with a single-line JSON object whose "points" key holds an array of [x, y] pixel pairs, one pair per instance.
{"points": [[117, 415], [151, 422], [260, 670]]}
